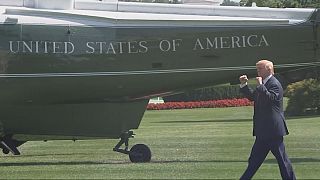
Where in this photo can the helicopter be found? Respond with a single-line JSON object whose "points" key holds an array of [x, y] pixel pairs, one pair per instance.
{"points": [[83, 69]]}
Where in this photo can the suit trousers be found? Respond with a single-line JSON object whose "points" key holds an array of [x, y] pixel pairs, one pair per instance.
{"points": [[259, 152]]}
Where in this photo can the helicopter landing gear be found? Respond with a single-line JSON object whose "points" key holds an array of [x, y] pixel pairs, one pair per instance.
{"points": [[139, 153], [5, 151], [7, 144]]}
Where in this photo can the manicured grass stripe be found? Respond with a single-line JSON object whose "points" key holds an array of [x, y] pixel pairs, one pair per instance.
{"points": [[186, 144]]}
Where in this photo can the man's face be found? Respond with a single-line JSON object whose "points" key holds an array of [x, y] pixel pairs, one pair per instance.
{"points": [[262, 71]]}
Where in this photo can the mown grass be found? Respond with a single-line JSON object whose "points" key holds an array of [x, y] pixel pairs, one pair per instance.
{"points": [[186, 144]]}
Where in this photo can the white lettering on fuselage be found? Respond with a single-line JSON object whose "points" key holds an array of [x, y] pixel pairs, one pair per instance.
{"points": [[41, 47], [138, 47], [132, 47], [230, 42]]}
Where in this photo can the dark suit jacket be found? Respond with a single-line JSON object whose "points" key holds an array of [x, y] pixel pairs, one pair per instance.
{"points": [[268, 118]]}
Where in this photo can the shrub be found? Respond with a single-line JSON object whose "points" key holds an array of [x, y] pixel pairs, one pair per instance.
{"points": [[206, 94], [304, 97]]}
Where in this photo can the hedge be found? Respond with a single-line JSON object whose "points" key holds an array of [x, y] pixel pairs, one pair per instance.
{"points": [[206, 94]]}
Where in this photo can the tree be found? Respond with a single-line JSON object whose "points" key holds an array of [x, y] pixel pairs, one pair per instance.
{"points": [[282, 3], [229, 3], [304, 97], [273, 3]]}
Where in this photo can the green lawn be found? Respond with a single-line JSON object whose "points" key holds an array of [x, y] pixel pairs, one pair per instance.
{"points": [[186, 144]]}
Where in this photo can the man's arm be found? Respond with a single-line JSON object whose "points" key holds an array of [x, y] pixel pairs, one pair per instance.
{"points": [[244, 88], [248, 92], [273, 93]]}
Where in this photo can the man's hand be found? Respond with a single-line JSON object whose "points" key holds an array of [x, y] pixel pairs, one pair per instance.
{"points": [[243, 79], [259, 80]]}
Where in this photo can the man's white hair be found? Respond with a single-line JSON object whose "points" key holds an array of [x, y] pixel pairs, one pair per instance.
{"points": [[267, 64]]}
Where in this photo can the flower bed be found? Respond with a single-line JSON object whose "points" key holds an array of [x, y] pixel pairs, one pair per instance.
{"points": [[201, 104]]}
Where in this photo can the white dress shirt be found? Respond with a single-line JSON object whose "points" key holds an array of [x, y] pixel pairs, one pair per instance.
{"points": [[266, 79]]}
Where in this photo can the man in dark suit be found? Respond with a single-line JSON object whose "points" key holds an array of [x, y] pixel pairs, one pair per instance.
{"points": [[269, 124]]}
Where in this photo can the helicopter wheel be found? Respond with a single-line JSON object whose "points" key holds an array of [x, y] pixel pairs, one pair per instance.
{"points": [[5, 151], [140, 153]]}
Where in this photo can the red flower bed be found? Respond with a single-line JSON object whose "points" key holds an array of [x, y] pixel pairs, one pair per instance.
{"points": [[201, 104]]}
